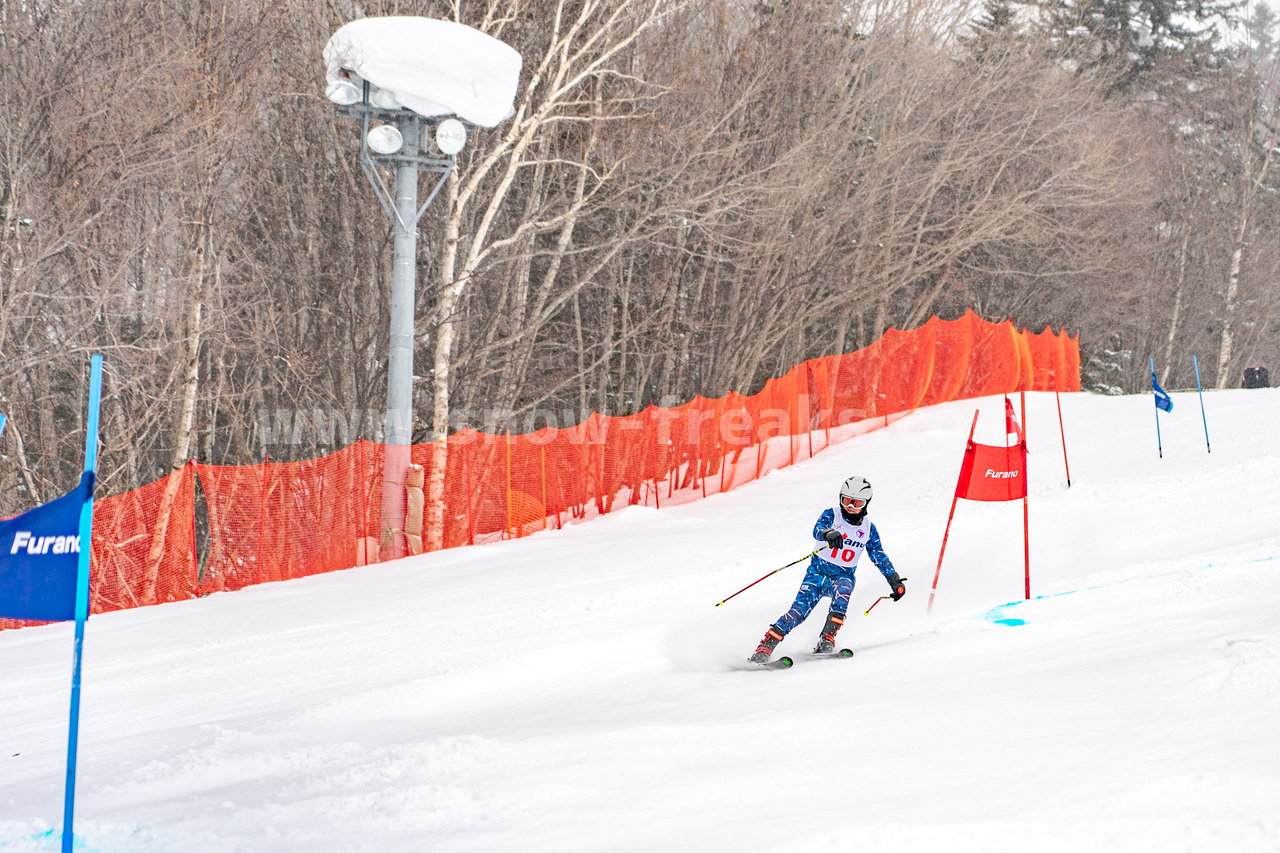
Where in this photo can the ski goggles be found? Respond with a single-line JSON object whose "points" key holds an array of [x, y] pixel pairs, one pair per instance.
{"points": [[852, 503]]}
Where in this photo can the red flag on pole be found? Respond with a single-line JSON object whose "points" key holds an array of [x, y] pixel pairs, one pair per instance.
{"points": [[991, 473], [1011, 426]]}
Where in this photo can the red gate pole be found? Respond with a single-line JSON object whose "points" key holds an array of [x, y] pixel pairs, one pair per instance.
{"points": [[1062, 432], [1026, 486], [946, 533]]}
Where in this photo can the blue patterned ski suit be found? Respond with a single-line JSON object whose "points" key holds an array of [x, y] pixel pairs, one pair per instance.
{"points": [[831, 571]]}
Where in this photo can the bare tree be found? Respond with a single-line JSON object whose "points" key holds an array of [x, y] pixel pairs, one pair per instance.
{"points": [[580, 44]]}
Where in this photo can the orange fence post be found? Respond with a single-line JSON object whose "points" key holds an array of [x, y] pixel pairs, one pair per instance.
{"points": [[362, 530], [262, 516], [702, 456], [724, 462], [658, 453], [471, 499], [544, 486], [507, 531]]}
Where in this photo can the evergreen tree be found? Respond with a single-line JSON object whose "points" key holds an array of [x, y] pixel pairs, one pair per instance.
{"points": [[1262, 27], [995, 32], [1127, 38]]}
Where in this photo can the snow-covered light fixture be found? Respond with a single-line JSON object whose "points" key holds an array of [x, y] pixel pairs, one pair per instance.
{"points": [[451, 135], [384, 99], [342, 92], [407, 80], [385, 139], [433, 67]]}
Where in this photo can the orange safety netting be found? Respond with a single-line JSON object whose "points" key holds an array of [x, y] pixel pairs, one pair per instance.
{"points": [[208, 528]]}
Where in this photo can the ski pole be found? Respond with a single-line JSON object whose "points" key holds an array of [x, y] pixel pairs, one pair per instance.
{"points": [[900, 580], [771, 574]]}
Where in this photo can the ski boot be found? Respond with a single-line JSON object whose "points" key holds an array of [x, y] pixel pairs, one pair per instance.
{"points": [[770, 642], [827, 642]]}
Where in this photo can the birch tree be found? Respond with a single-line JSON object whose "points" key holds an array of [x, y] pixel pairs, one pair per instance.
{"points": [[1256, 149], [575, 45]]}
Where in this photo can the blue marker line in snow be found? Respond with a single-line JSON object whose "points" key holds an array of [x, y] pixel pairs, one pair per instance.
{"points": [[50, 840], [995, 615]]}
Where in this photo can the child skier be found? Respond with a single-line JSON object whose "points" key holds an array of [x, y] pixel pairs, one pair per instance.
{"points": [[843, 533]]}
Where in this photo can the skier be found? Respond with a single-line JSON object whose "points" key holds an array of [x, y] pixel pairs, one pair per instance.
{"points": [[843, 533]]}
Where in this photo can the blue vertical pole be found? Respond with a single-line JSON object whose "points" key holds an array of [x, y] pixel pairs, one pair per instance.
{"points": [[82, 598], [1156, 409], [3, 421], [1195, 362]]}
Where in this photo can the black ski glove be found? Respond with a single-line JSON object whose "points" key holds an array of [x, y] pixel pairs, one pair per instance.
{"points": [[834, 538], [898, 586]]}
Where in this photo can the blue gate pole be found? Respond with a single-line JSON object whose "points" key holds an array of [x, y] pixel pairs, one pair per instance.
{"points": [[1196, 364], [82, 598], [1156, 409]]}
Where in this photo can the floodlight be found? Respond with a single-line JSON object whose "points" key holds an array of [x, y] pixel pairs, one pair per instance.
{"points": [[385, 139], [384, 99], [451, 135], [342, 92]]}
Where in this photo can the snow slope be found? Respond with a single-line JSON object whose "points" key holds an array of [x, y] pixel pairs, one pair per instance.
{"points": [[579, 691]]}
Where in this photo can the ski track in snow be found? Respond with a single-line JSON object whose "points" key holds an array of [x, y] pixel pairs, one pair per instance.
{"points": [[579, 691]]}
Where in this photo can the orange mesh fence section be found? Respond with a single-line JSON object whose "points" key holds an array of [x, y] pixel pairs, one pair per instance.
{"points": [[1055, 360], [276, 521], [144, 545], [281, 520], [144, 548]]}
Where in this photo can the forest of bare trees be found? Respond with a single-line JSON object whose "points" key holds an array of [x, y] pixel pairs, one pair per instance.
{"points": [[690, 198]]}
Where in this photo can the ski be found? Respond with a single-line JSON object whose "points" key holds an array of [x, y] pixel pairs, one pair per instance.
{"points": [[783, 662]]}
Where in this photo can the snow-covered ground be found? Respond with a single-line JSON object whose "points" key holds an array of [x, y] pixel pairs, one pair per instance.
{"points": [[580, 691]]}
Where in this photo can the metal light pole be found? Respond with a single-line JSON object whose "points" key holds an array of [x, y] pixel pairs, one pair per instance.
{"points": [[399, 146]]}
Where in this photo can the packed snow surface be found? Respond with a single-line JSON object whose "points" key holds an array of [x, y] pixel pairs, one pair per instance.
{"points": [[579, 690], [433, 67]]}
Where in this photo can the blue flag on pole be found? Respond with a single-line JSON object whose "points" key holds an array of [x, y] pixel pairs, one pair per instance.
{"points": [[1163, 400], [39, 558]]}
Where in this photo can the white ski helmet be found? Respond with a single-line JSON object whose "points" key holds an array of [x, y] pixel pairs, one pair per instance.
{"points": [[857, 488]]}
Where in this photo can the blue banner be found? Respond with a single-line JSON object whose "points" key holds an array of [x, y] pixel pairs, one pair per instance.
{"points": [[39, 558], [1163, 401]]}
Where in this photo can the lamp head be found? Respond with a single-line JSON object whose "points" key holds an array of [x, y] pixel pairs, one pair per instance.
{"points": [[344, 93], [384, 99], [385, 139], [451, 135]]}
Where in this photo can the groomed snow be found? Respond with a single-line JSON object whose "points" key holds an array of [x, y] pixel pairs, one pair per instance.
{"points": [[579, 691]]}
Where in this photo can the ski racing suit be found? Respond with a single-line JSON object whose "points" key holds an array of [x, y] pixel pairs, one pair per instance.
{"points": [[831, 571]]}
